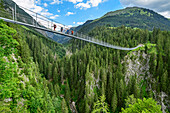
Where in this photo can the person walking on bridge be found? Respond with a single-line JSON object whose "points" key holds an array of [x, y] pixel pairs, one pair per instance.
{"points": [[67, 31], [61, 29], [72, 32], [54, 26]]}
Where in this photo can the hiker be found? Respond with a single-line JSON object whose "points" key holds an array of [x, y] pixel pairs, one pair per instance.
{"points": [[55, 27], [72, 32], [61, 29], [67, 31]]}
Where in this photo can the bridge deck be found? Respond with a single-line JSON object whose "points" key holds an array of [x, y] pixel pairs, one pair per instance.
{"points": [[87, 39]]}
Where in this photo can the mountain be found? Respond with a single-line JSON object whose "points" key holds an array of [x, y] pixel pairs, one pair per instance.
{"points": [[130, 17]]}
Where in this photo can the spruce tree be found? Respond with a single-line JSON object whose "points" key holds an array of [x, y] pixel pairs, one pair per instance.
{"points": [[164, 79], [67, 92], [87, 109], [64, 106], [114, 101], [55, 76]]}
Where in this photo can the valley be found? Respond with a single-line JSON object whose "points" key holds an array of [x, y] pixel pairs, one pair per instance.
{"points": [[55, 74]]}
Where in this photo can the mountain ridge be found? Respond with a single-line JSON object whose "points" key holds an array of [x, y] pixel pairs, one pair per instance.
{"points": [[130, 17]]}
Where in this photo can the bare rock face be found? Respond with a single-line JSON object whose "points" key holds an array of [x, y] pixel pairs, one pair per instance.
{"points": [[137, 63]]}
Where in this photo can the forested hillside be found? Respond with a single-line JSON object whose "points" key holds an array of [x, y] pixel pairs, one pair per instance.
{"points": [[47, 82], [103, 71], [129, 17], [24, 87]]}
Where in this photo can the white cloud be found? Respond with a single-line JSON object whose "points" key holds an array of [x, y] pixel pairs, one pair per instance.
{"points": [[37, 9], [58, 11], [54, 17], [75, 1], [27, 3], [80, 23], [166, 14], [38, 2], [56, 2], [83, 5], [46, 14], [89, 4], [95, 3], [160, 6], [30, 4], [74, 22], [70, 13], [70, 26], [45, 4]]}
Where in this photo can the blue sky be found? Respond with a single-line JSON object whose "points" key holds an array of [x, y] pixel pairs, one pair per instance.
{"points": [[79, 15], [76, 12]]}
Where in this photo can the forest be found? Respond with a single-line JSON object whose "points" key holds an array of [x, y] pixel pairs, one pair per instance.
{"points": [[38, 76]]}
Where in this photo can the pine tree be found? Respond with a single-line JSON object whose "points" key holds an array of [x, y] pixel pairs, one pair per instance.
{"points": [[103, 77], [87, 109], [49, 71], [67, 92], [121, 92], [110, 88], [160, 65], [55, 76], [114, 101], [57, 90], [164, 79], [64, 106]]}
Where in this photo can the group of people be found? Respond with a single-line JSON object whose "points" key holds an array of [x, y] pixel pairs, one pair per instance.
{"points": [[68, 31]]}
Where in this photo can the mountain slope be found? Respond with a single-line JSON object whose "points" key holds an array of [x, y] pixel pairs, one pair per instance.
{"points": [[130, 17], [22, 87]]}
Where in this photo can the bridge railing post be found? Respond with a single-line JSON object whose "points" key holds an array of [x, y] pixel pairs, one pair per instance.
{"points": [[51, 25], [32, 21], [15, 13], [36, 19], [48, 24]]}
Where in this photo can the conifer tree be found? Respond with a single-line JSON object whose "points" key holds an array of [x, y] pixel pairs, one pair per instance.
{"points": [[110, 88], [49, 71], [64, 106], [55, 76], [114, 101], [164, 79], [87, 109], [67, 92], [57, 90]]}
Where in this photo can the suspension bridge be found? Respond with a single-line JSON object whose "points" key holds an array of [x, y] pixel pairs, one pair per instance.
{"points": [[41, 22]]}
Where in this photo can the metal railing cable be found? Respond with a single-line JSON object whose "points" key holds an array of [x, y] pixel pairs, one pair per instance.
{"points": [[41, 22]]}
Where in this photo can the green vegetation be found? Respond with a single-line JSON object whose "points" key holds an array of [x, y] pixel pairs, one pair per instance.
{"points": [[104, 64], [37, 76], [143, 106], [101, 105], [22, 88], [130, 17], [151, 48]]}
